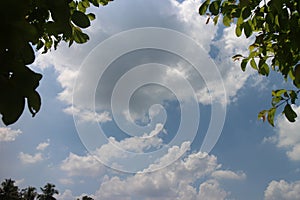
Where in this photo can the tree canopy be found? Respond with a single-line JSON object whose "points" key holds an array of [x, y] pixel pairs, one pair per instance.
{"points": [[276, 28], [10, 191], [39, 24]]}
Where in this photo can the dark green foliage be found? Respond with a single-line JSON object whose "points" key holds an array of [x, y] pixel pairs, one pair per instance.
{"points": [[39, 24], [9, 191], [28, 193], [276, 28], [47, 192]]}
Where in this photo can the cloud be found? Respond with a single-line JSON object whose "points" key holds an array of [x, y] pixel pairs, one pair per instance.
{"points": [[76, 165], [283, 190], [171, 14], [177, 181], [66, 181], [287, 136], [30, 159], [42, 146], [19, 182], [7, 134], [211, 190], [88, 115], [226, 174], [68, 195]]}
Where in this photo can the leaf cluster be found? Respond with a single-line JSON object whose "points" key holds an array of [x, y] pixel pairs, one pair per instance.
{"points": [[276, 28], [39, 24]]}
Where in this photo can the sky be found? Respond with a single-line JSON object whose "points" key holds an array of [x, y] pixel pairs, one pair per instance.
{"points": [[153, 107]]}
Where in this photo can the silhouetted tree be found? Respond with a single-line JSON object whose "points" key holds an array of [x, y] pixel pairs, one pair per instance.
{"points": [[47, 192], [9, 191], [28, 193]]}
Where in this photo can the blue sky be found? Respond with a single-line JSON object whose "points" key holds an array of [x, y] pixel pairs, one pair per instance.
{"points": [[251, 160]]}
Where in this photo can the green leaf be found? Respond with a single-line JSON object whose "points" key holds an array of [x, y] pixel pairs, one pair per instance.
{"points": [[80, 19], [240, 21], [278, 93], [266, 69], [246, 12], [289, 113], [91, 16], [203, 7], [247, 29], [94, 2], [34, 102], [81, 7], [214, 7], [263, 67], [276, 100], [244, 64], [293, 96], [79, 37], [27, 54], [253, 64], [226, 20], [237, 57], [262, 115], [238, 31], [216, 19], [297, 75], [12, 105], [271, 115]]}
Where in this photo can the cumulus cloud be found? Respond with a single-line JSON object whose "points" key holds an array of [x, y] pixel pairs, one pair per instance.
{"points": [[211, 190], [287, 136], [7, 134], [226, 174], [88, 116], [42, 146], [177, 181], [30, 159], [76, 165], [283, 190]]}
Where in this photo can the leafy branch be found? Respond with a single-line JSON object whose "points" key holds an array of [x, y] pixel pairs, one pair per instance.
{"points": [[279, 98], [276, 28]]}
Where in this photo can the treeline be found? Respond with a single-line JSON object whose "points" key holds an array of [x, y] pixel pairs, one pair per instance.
{"points": [[10, 191]]}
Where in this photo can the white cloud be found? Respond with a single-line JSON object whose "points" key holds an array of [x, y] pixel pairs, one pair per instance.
{"points": [[283, 190], [30, 159], [66, 181], [287, 136], [76, 165], [68, 195], [180, 180], [19, 182], [87, 115], [183, 17], [211, 190], [226, 174], [7, 134], [88, 165], [42, 146], [177, 181]]}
